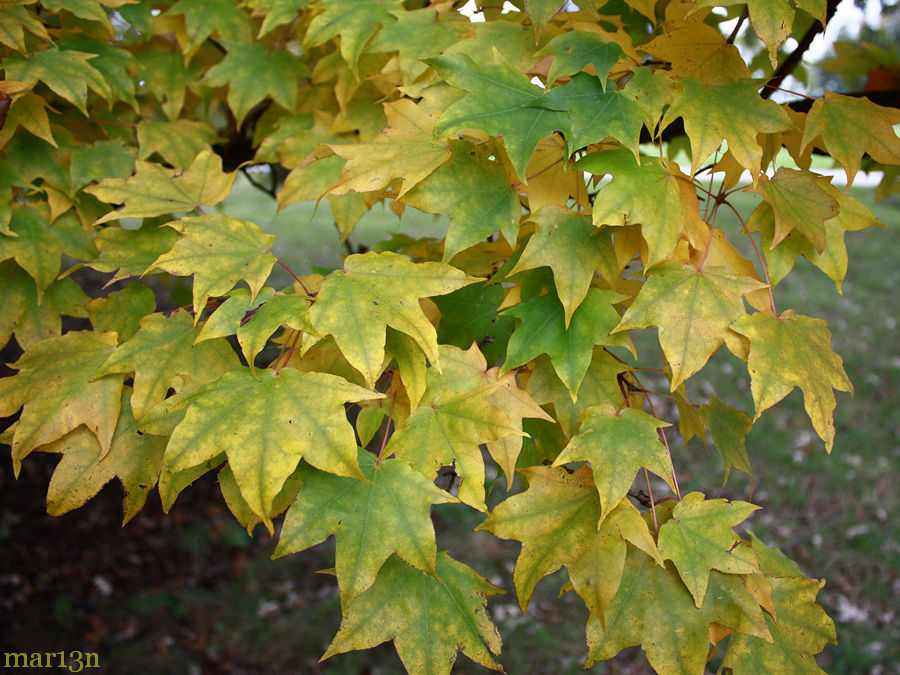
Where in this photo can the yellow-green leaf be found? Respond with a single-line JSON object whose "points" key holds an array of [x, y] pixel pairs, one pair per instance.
{"points": [[371, 519], [218, 250], [617, 444], [265, 425], [790, 351], [693, 309], [428, 617], [376, 290]]}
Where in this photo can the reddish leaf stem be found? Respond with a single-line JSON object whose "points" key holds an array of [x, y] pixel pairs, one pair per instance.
{"points": [[384, 436], [759, 255], [296, 278], [662, 434]]}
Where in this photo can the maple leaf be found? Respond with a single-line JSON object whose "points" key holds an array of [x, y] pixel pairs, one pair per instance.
{"points": [[693, 309], [229, 315], [56, 389], [475, 194], [594, 113], [218, 250], [728, 428], [265, 425], [599, 385], [429, 617], [33, 246], [31, 320], [851, 215], [617, 444], [556, 519], [387, 513], [14, 20], [252, 73], [699, 538], [376, 290], [355, 21], [162, 355], [416, 35], [658, 613], [771, 20], [800, 204], [177, 142], [203, 18], [732, 112], [784, 351], [129, 253], [154, 190], [699, 51], [121, 311], [103, 159], [280, 310], [850, 127], [448, 429], [653, 193], [497, 103], [276, 12], [800, 630], [576, 49], [66, 72], [470, 314], [405, 149], [543, 331], [116, 65], [134, 458]]}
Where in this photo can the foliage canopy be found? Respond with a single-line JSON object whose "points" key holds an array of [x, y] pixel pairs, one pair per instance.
{"points": [[546, 133]]}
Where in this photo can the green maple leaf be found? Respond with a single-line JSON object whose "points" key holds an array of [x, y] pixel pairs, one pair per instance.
{"points": [[543, 331], [376, 290], [405, 149], [466, 371], [475, 194], [429, 617], [653, 193], [253, 73], [800, 204], [470, 314], [693, 309], [114, 63], [448, 429], [230, 314], [541, 12], [594, 113], [122, 311], [33, 246], [699, 538], [66, 72], [731, 111], [658, 613], [576, 49], [203, 18], [162, 355], [790, 351], [277, 12], [13, 23], [850, 127], [30, 319], [556, 521], [218, 250], [280, 310], [851, 215], [617, 444], [134, 458], [355, 21], [497, 103], [130, 253], [800, 630], [600, 385], [103, 159], [265, 425], [416, 35], [387, 513], [728, 428], [154, 190], [56, 385]]}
